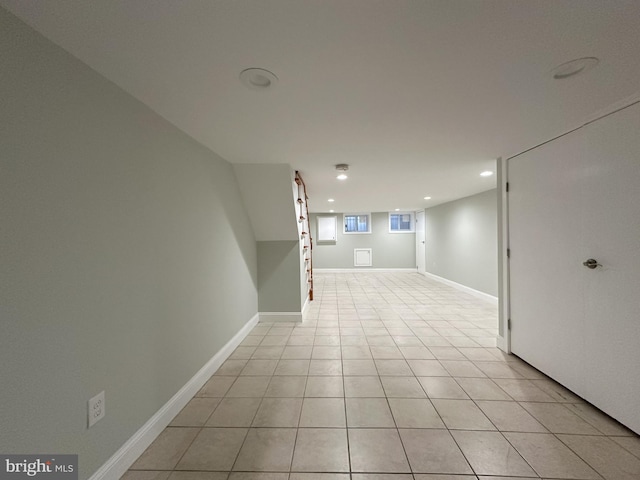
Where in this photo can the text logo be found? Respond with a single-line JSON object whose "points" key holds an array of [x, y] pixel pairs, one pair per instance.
{"points": [[39, 467]]}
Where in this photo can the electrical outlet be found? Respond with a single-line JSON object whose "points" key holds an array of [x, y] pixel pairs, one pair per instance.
{"points": [[96, 409]]}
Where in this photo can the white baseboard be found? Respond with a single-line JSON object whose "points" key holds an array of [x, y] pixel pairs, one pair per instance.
{"points": [[362, 269], [464, 288], [280, 316], [307, 304], [120, 461]]}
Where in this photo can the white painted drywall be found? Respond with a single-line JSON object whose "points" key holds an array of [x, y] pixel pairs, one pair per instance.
{"points": [[268, 198], [127, 257], [279, 276], [389, 250], [461, 241]]}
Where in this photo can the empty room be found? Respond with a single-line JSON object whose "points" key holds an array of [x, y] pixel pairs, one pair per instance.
{"points": [[319, 240]]}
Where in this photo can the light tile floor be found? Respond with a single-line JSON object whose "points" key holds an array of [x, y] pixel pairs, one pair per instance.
{"points": [[391, 376]]}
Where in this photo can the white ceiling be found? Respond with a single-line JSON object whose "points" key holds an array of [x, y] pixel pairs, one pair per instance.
{"points": [[417, 96]]}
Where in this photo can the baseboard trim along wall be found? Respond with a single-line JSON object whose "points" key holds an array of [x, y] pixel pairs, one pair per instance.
{"points": [[362, 269], [285, 316], [120, 462], [280, 316], [464, 288]]}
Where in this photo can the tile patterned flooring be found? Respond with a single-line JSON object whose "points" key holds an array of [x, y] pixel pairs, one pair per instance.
{"points": [[391, 376]]}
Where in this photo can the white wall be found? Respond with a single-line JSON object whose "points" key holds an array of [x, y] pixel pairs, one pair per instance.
{"points": [[389, 250], [461, 241], [124, 248]]}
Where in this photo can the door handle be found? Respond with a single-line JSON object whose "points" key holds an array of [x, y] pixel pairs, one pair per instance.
{"points": [[591, 263]]}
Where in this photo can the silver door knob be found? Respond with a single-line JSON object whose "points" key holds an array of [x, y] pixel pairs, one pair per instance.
{"points": [[591, 263]]}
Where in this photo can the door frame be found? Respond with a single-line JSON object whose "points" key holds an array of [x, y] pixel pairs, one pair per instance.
{"points": [[504, 293], [421, 227]]}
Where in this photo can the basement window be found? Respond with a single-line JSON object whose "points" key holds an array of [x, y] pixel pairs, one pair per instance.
{"points": [[401, 222], [357, 223]]}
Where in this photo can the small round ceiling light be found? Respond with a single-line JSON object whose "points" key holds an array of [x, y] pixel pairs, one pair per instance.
{"points": [[331, 200], [486, 173], [331, 211], [574, 67], [427, 198], [258, 79], [342, 168]]}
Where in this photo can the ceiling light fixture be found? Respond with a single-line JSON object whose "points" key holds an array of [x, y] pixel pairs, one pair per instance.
{"points": [[427, 198], [331, 200], [258, 78], [331, 211], [486, 173], [397, 209], [342, 168], [574, 67]]}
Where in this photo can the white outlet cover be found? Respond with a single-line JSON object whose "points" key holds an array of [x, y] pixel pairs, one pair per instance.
{"points": [[96, 409]]}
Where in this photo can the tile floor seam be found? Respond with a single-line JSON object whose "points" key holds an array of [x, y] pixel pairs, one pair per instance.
{"points": [[295, 439], [244, 440], [602, 477], [186, 449], [397, 430], [462, 452], [346, 417]]}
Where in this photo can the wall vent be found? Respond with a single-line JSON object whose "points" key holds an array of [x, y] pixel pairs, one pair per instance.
{"points": [[362, 257]]}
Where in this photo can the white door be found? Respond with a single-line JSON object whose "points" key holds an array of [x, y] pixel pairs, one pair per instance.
{"points": [[612, 237], [546, 269], [420, 245], [574, 199]]}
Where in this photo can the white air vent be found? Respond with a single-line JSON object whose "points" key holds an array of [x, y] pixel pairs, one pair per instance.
{"points": [[362, 257]]}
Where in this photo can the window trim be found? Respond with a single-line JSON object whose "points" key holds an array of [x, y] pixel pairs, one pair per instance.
{"points": [[413, 222], [344, 221]]}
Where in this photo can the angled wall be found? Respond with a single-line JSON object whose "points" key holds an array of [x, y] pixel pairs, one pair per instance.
{"points": [[124, 248], [269, 194], [268, 197]]}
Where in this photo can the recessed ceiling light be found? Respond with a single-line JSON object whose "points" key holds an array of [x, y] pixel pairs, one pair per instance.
{"points": [[574, 67], [397, 209], [486, 173], [331, 211], [331, 200], [427, 198], [342, 168], [258, 78]]}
